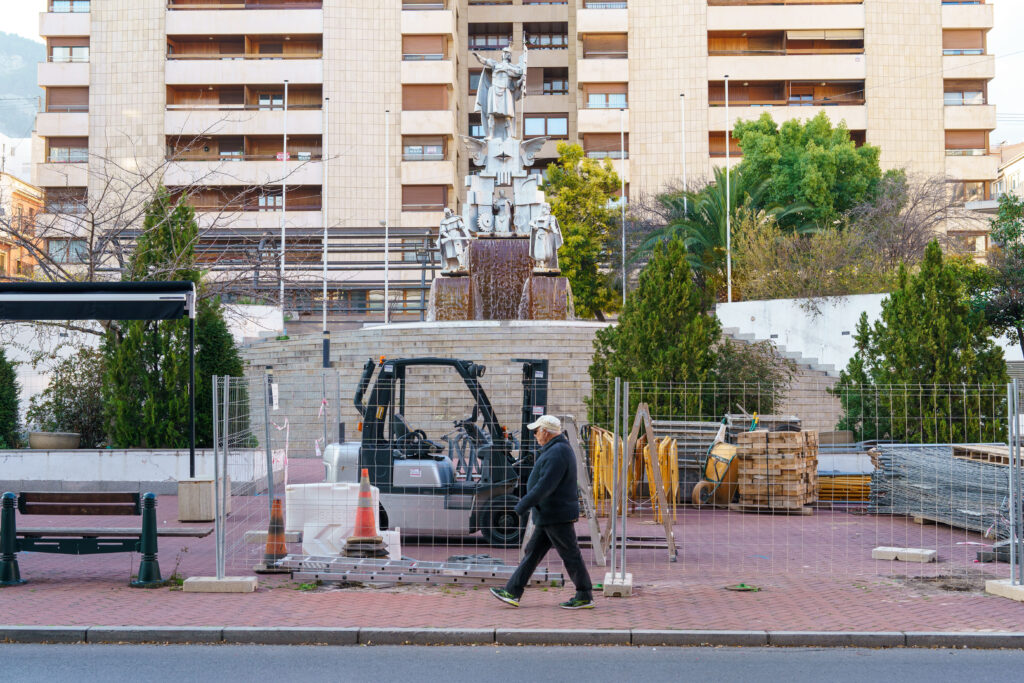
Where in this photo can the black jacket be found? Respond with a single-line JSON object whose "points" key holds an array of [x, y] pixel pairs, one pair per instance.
{"points": [[551, 488]]}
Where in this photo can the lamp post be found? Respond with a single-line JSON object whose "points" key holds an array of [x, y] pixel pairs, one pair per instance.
{"points": [[323, 217], [387, 215], [682, 138], [728, 197], [284, 192], [622, 198]]}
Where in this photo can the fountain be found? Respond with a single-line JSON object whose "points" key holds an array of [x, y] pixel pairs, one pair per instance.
{"points": [[501, 255]]}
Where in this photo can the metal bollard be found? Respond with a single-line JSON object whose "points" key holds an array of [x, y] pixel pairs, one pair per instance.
{"points": [[149, 568], [10, 575]]}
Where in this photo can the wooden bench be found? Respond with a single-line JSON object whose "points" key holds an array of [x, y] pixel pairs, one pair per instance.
{"points": [[85, 541]]}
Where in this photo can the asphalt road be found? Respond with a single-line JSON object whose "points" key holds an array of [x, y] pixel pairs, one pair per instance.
{"points": [[455, 664]]}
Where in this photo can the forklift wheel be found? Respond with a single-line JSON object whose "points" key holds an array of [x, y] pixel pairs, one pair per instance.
{"points": [[702, 493], [501, 527]]}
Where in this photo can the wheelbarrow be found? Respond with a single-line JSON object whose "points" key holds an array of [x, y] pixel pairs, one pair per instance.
{"points": [[718, 480]]}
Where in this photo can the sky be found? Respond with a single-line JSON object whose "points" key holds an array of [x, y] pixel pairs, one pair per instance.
{"points": [[22, 17]]}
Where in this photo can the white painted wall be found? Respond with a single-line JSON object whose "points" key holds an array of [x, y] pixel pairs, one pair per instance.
{"points": [[826, 336]]}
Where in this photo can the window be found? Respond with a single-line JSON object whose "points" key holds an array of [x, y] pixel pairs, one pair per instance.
{"points": [[970, 191], [474, 81], [423, 48], [556, 82], [606, 100], [270, 200], [68, 251], [231, 149], [603, 4], [423, 149], [490, 36], [476, 128], [606, 145], [424, 197], [551, 125], [963, 42], [67, 150], [425, 97], [271, 101], [547, 36], [65, 200], [963, 98], [63, 6], [961, 143], [65, 100], [69, 53], [605, 46]]}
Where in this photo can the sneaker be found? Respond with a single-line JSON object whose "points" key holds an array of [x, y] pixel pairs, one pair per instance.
{"points": [[578, 603], [505, 596]]}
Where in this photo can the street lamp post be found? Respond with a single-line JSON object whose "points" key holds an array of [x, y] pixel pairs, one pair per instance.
{"points": [[622, 198], [728, 197], [682, 138], [387, 217], [284, 192]]}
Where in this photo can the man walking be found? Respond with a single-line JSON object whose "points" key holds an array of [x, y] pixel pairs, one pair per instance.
{"points": [[551, 494]]}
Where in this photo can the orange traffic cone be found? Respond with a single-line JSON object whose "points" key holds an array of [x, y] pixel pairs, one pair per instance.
{"points": [[365, 540], [275, 549]]}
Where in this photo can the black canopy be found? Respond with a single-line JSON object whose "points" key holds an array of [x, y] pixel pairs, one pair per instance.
{"points": [[30, 301], [97, 300]]}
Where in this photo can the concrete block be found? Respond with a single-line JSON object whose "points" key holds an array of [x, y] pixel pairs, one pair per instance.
{"points": [[526, 636], [618, 586], [965, 640], [723, 638], [1004, 588], [258, 537], [42, 634], [425, 636], [837, 638], [291, 635], [153, 634], [196, 500], [211, 584], [885, 553]]}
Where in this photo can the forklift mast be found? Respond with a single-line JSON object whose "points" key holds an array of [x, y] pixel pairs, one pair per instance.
{"points": [[535, 403]]}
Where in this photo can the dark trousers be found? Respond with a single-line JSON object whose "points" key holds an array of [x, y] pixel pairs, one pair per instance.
{"points": [[561, 537]]}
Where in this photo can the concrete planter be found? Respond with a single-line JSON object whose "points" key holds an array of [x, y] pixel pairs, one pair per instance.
{"points": [[49, 441]]}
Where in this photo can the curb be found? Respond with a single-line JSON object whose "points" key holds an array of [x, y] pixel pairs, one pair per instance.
{"points": [[514, 637]]}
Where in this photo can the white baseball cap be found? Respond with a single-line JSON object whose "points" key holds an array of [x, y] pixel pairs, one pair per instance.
{"points": [[548, 422]]}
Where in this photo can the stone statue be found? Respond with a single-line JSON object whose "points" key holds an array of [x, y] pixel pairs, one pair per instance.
{"points": [[453, 241], [545, 239], [501, 84], [502, 214]]}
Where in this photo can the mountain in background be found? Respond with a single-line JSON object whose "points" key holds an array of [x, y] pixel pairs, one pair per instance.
{"points": [[18, 90]]}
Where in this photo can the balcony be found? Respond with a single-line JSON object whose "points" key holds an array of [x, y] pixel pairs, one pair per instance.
{"points": [[602, 21], [61, 174], [972, 167], [538, 103], [795, 67], [970, 117], [855, 116], [969, 66], [596, 70], [420, 219], [256, 219], [428, 22], [55, 124], [193, 120], [495, 13], [772, 17], [426, 72], [600, 120], [56, 24], [233, 173], [227, 71], [207, 22], [429, 173], [51, 74], [428, 123], [968, 16]]}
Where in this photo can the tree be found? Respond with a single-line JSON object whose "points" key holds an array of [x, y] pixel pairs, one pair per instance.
{"points": [[579, 190], [920, 372], [809, 163], [1003, 302], [72, 402], [10, 429], [146, 380], [668, 345], [216, 355]]}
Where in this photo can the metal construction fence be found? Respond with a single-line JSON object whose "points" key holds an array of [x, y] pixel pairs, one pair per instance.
{"points": [[732, 481]]}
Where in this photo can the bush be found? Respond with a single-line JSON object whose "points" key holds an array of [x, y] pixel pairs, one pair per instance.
{"points": [[72, 402], [10, 430]]}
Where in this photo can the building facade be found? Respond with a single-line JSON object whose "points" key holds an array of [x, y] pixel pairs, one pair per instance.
{"points": [[19, 204], [380, 91]]}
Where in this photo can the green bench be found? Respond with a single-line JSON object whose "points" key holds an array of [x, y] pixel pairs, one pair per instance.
{"points": [[84, 541]]}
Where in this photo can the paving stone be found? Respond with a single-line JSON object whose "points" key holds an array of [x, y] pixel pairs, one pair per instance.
{"points": [[291, 635]]}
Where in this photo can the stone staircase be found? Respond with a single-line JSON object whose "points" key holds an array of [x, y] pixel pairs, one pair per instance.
{"points": [[801, 360]]}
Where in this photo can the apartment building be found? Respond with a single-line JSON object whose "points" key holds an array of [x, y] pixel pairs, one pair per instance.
{"points": [[380, 91], [19, 204]]}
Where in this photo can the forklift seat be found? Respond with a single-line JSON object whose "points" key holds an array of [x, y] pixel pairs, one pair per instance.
{"points": [[423, 449]]}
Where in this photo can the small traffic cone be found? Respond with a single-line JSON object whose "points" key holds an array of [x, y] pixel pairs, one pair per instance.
{"points": [[365, 540], [275, 549]]}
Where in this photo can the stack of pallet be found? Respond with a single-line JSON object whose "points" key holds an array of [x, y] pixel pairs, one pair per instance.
{"points": [[777, 470]]}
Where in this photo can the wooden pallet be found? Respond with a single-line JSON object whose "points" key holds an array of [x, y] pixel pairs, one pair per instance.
{"points": [[996, 455], [803, 510]]}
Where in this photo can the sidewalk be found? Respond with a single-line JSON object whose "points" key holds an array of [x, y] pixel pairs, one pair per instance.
{"points": [[805, 586]]}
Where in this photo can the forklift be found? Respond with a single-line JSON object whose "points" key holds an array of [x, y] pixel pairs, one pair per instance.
{"points": [[467, 481]]}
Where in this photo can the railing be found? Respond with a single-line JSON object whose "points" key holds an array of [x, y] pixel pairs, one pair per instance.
{"points": [[605, 5], [962, 99], [67, 206], [233, 56], [617, 154], [69, 6], [424, 207], [825, 102], [966, 152], [536, 42], [741, 3], [963, 51], [242, 107], [606, 54], [68, 156], [302, 4], [474, 45], [420, 6], [55, 59], [423, 157], [789, 51], [428, 57], [607, 105], [66, 108], [239, 208], [227, 156]]}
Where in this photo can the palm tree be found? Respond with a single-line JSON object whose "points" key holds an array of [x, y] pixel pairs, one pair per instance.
{"points": [[699, 220]]}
